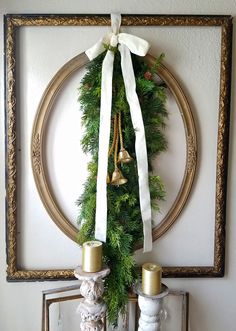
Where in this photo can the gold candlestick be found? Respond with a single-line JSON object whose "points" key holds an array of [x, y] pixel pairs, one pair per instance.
{"points": [[92, 256], [151, 278]]}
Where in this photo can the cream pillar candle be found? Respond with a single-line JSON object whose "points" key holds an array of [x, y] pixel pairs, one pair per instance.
{"points": [[92, 256], [151, 278]]}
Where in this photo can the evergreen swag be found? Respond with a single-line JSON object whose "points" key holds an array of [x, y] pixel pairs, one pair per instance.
{"points": [[124, 228]]}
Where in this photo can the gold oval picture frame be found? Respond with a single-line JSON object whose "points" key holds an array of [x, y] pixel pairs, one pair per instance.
{"points": [[38, 143]]}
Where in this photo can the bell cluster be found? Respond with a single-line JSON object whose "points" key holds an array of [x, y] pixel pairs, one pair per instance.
{"points": [[122, 156]]}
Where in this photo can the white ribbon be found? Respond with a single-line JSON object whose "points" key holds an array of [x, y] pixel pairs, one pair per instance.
{"points": [[126, 43]]}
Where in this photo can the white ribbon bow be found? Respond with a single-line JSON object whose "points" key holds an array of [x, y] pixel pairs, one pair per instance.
{"points": [[126, 43]]}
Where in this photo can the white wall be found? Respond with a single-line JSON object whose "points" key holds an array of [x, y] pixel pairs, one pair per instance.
{"points": [[212, 301]]}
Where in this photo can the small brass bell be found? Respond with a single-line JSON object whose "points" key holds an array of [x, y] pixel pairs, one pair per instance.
{"points": [[108, 179], [124, 156], [117, 177]]}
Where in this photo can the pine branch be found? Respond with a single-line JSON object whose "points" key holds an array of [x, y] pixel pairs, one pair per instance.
{"points": [[124, 228]]}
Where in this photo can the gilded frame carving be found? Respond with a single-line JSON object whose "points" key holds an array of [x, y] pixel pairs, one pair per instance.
{"points": [[12, 24]]}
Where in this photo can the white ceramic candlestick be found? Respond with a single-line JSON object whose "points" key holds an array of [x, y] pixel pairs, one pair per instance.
{"points": [[92, 309], [150, 309]]}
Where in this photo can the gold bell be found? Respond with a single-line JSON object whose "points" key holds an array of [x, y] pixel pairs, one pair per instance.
{"points": [[108, 179], [124, 156], [117, 177]]}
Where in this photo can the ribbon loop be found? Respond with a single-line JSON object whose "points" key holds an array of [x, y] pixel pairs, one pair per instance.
{"points": [[126, 43], [115, 22]]}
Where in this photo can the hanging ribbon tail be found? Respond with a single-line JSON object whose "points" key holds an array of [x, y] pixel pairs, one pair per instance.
{"points": [[104, 138], [127, 43], [104, 128], [140, 144]]}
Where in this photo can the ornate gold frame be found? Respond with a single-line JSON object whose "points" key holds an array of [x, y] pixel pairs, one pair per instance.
{"points": [[12, 24]]}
